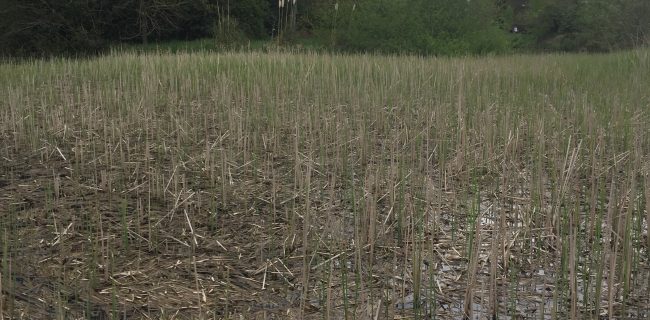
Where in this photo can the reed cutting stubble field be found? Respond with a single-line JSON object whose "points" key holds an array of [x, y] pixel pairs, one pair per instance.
{"points": [[311, 186]]}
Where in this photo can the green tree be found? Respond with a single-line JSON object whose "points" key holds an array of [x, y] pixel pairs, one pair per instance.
{"points": [[593, 25], [253, 18], [39, 28], [142, 20], [419, 26], [384, 25], [607, 25]]}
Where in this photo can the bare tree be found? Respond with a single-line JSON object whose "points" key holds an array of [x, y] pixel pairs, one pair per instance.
{"points": [[158, 15]]}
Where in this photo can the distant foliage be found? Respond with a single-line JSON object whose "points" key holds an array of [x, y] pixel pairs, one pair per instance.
{"points": [[227, 32], [416, 26], [595, 25], [40, 28], [440, 27], [74, 27]]}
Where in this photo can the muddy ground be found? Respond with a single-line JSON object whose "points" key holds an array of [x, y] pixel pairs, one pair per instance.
{"points": [[80, 244]]}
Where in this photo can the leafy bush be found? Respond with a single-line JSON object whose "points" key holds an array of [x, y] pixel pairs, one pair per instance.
{"points": [[386, 26], [415, 26], [227, 32]]}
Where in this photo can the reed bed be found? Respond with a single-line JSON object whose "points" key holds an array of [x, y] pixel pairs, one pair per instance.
{"points": [[310, 186]]}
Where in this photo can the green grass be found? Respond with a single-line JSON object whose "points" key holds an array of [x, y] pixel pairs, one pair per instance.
{"points": [[158, 182], [199, 45], [209, 45]]}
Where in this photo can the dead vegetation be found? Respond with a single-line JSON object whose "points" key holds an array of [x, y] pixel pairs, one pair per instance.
{"points": [[300, 186]]}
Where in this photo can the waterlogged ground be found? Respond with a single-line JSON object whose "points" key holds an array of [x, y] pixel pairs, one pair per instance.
{"points": [[72, 258], [301, 186]]}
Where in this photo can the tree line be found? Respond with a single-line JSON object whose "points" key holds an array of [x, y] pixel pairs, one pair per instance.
{"points": [[441, 27]]}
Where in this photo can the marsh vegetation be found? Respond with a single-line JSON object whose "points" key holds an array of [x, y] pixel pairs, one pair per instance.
{"points": [[314, 186]]}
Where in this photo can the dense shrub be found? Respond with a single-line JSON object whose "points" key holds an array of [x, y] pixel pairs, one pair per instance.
{"points": [[441, 27], [416, 26], [40, 28]]}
